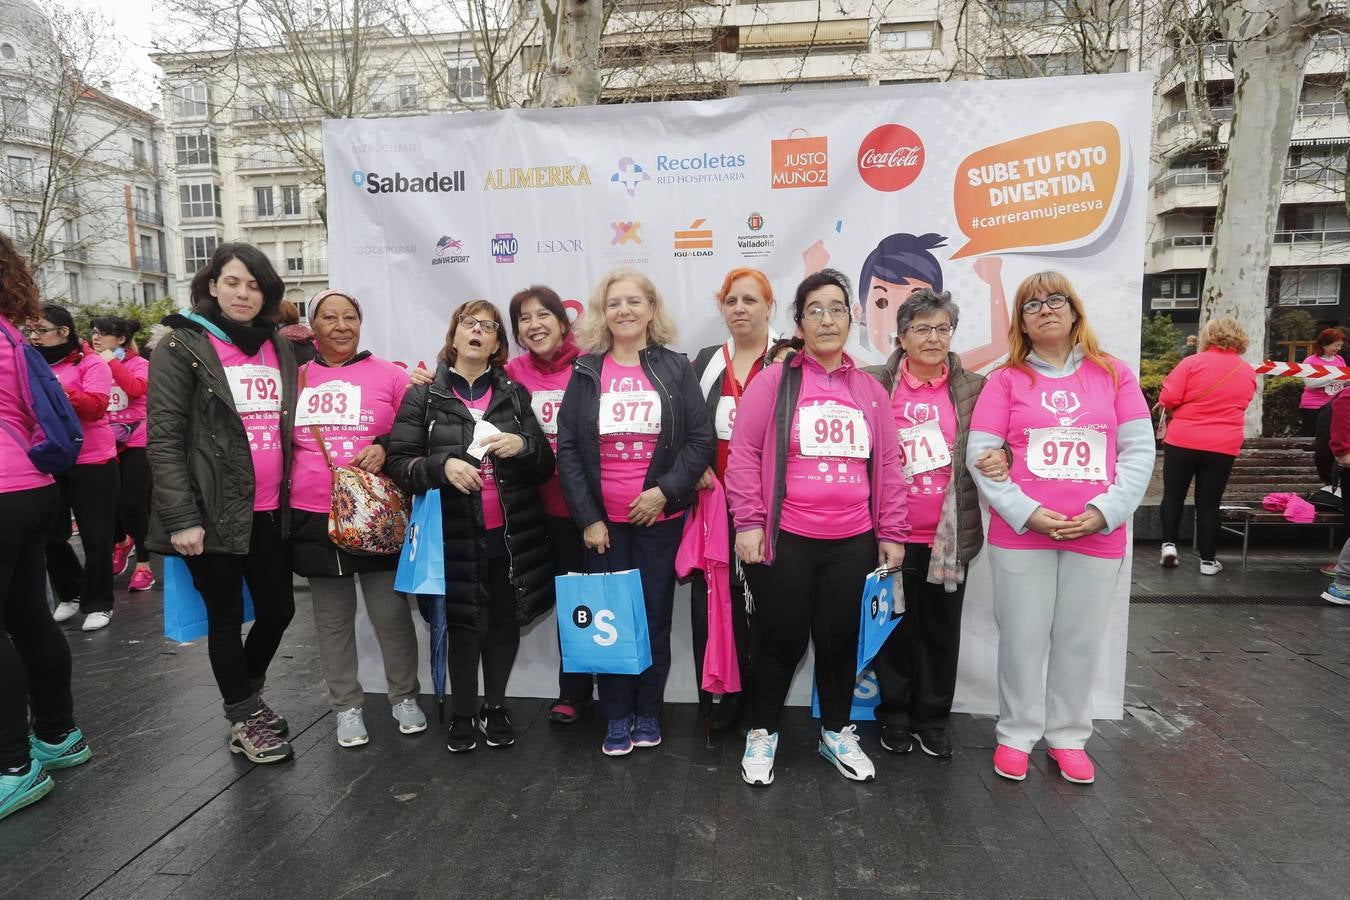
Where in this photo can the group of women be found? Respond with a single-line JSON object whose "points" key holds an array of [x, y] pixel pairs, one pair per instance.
{"points": [[585, 452]]}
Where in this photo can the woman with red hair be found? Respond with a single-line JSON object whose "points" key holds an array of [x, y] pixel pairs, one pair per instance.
{"points": [[724, 371], [1317, 392]]}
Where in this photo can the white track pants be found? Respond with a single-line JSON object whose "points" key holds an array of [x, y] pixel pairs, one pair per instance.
{"points": [[1051, 607]]}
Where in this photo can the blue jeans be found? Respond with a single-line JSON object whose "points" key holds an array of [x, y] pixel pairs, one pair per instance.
{"points": [[651, 551]]}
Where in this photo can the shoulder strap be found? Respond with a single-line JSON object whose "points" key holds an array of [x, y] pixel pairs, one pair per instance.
{"points": [[314, 429], [1209, 390]]}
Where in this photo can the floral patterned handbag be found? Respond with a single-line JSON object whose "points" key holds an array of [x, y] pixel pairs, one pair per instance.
{"points": [[368, 514]]}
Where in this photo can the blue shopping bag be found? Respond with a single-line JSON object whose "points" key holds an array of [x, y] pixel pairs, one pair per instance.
{"points": [[421, 562], [866, 698], [602, 623], [883, 606], [184, 609]]}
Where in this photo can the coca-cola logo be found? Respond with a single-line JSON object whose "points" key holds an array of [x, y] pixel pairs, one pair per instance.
{"points": [[890, 157]]}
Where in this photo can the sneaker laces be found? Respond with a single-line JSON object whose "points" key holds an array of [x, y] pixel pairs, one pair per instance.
{"points": [[847, 738], [260, 735], [265, 712], [618, 729], [758, 746], [349, 718]]}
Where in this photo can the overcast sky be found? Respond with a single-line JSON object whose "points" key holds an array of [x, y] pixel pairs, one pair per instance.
{"points": [[131, 19]]}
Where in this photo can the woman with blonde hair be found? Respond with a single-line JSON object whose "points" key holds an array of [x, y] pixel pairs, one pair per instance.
{"points": [[634, 438], [1082, 448], [1206, 397]]}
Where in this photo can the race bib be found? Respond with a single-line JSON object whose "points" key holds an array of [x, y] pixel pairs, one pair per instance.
{"points": [[833, 430], [1077, 454], [118, 400], [924, 447], [256, 389], [332, 403], [726, 417], [1334, 388], [546, 406], [630, 412]]}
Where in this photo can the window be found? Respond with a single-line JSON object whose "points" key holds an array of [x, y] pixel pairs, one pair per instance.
{"points": [[199, 201], [466, 78], [21, 170], [1180, 290], [148, 292], [72, 231], [283, 100], [189, 102], [195, 150], [1046, 64], [910, 36], [138, 151], [787, 87], [375, 94], [15, 110], [407, 92], [295, 258], [257, 102], [290, 199], [73, 286], [1310, 287], [6, 51], [143, 200], [25, 225], [263, 203], [197, 251]]}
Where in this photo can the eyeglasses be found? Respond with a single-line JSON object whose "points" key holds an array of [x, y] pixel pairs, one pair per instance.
{"points": [[1054, 301], [817, 314], [31, 330], [923, 331], [486, 324]]}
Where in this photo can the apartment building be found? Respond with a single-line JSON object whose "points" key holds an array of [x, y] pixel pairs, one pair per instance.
{"points": [[81, 187]]}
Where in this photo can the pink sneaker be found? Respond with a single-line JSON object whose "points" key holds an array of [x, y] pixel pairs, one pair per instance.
{"points": [[1074, 765], [1010, 763], [122, 554], [141, 580]]}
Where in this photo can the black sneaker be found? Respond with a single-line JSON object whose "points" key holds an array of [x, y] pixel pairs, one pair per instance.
{"points": [[462, 737], [934, 742], [896, 739], [495, 724], [258, 743], [271, 718]]}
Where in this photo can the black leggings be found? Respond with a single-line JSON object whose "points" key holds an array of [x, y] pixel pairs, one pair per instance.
{"points": [[240, 665], [493, 639], [34, 656], [90, 491], [812, 591], [1210, 471], [133, 500]]}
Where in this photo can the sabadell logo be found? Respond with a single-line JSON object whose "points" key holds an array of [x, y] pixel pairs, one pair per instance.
{"points": [[890, 157], [432, 182]]}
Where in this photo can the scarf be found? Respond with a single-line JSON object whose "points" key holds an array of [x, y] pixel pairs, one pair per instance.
{"points": [[943, 567], [562, 357], [248, 338]]}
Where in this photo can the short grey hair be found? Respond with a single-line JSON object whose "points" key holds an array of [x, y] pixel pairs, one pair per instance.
{"points": [[922, 302]]}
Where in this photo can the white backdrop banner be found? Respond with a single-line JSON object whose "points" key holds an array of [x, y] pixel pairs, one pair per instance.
{"points": [[965, 186]]}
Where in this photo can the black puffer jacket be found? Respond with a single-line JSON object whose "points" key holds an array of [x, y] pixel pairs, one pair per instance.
{"points": [[433, 425], [682, 456]]}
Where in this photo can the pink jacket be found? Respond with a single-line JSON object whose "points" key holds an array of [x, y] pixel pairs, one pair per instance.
{"points": [[1205, 417], [756, 469], [707, 546]]}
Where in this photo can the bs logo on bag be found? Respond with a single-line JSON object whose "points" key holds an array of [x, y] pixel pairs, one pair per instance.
{"points": [[603, 622]]}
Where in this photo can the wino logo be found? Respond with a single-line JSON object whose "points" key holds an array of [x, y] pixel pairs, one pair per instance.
{"points": [[504, 247]]}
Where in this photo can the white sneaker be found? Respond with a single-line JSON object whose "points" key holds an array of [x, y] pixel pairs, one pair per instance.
{"points": [[66, 611], [757, 763], [1169, 556], [410, 717], [842, 749], [1210, 567], [96, 620], [351, 728]]}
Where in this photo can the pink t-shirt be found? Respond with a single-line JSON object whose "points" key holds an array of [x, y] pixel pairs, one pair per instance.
{"points": [[255, 383], [124, 409], [630, 426], [925, 421], [492, 501], [1062, 433], [17, 472], [351, 406], [1316, 398], [92, 376], [546, 393], [828, 488]]}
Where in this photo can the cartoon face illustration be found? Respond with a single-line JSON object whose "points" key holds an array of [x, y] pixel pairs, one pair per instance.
{"points": [[899, 265], [1062, 404]]}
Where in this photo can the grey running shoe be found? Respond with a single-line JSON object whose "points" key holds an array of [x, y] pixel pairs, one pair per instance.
{"points": [[351, 728], [410, 717]]}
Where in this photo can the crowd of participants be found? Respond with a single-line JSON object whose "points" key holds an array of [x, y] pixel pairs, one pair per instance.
{"points": [[829, 471]]}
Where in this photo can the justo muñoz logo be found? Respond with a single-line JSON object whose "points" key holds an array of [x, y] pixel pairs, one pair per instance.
{"points": [[890, 157]]}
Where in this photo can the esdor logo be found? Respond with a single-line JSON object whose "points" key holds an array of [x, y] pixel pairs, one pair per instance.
{"points": [[890, 158]]}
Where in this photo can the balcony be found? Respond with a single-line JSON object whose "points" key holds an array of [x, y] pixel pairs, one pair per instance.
{"points": [[275, 215], [25, 134], [150, 264], [1313, 119], [65, 250], [1289, 248], [147, 217], [269, 160], [1302, 184], [309, 268]]}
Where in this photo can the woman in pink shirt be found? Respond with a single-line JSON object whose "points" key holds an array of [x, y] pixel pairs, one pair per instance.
{"points": [[34, 656], [115, 340], [1206, 397], [540, 326], [1317, 392], [815, 487], [88, 488]]}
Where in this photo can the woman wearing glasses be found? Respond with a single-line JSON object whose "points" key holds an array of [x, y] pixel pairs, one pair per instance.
{"points": [[634, 438], [816, 492], [471, 433], [1082, 447], [932, 398]]}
